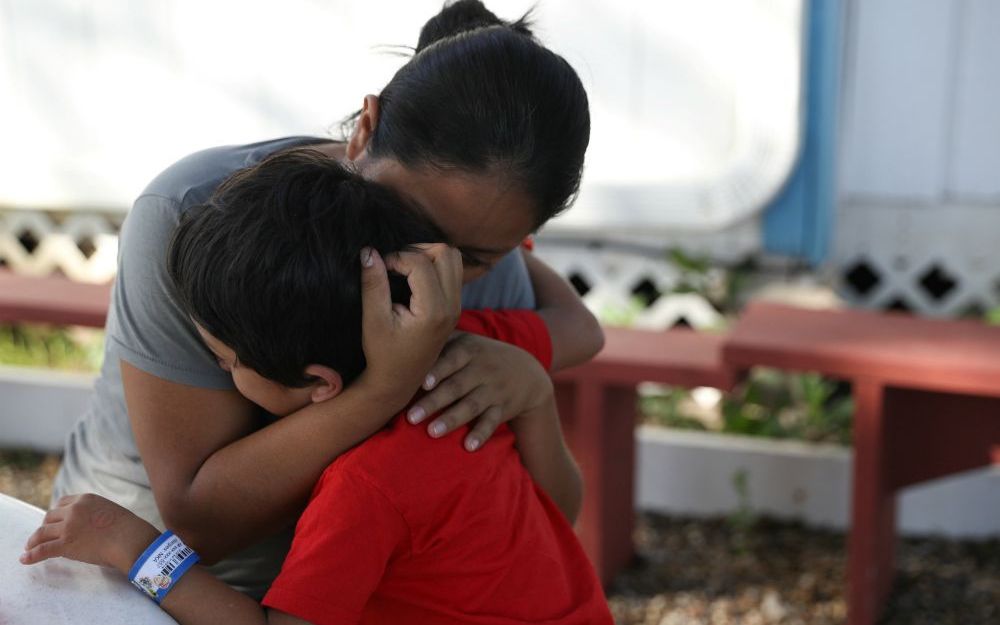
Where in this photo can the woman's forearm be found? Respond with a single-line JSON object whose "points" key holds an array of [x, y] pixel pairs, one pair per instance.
{"points": [[575, 332], [282, 462], [230, 486]]}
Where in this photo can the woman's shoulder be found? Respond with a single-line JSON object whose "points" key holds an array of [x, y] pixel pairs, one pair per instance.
{"points": [[192, 179]]}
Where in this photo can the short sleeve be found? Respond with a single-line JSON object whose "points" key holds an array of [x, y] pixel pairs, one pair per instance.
{"points": [[506, 286], [147, 326], [343, 544]]}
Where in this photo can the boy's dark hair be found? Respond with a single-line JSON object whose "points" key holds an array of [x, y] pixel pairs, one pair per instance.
{"points": [[482, 95], [270, 265]]}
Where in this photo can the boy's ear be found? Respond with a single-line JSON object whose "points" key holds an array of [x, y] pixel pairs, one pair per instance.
{"points": [[364, 128], [327, 383]]}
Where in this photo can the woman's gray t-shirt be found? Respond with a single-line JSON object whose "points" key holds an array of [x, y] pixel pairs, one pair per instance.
{"points": [[147, 328]]}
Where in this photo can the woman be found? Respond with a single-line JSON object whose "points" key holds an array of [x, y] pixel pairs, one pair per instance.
{"points": [[484, 130]]}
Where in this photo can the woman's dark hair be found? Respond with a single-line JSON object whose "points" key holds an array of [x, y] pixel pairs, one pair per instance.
{"points": [[270, 265], [482, 95]]}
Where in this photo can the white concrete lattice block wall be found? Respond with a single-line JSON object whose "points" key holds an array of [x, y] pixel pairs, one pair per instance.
{"points": [[57, 245], [613, 275]]}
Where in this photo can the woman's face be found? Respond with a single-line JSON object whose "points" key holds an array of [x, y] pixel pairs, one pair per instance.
{"points": [[480, 214]]}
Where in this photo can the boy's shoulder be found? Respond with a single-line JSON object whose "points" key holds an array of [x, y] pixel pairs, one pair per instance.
{"points": [[414, 471]]}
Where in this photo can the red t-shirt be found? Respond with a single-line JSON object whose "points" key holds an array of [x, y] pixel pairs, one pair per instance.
{"points": [[407, 529]]}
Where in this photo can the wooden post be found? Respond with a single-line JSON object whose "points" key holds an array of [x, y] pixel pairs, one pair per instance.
{"points": [[873, 513]]}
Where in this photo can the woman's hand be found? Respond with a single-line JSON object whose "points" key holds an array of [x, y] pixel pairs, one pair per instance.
{"points": [[89, 528], [482, 379], [401, 342]]}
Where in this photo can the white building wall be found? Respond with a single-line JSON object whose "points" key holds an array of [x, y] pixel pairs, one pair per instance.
{"points": [[919, 199]]}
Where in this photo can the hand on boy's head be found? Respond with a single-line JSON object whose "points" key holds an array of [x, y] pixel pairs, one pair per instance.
{"points": [[402, 341], [89, 528], [483, 380]]}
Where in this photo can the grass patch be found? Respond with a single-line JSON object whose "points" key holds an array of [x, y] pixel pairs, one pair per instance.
{"points": [[53, 347], [21, 459]]}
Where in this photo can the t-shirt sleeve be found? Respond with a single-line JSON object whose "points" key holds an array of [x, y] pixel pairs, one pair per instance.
{"points": [[147, 326], [343, 543], [523, 328], [506, 285]]}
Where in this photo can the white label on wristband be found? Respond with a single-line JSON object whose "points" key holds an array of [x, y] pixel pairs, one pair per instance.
{"points": [[155, 574]]}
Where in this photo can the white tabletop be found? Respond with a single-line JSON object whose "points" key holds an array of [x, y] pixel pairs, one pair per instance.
{"points": [[62, 592]]}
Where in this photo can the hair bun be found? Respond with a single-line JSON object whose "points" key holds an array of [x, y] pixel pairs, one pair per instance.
{"points": [[464, 15]]}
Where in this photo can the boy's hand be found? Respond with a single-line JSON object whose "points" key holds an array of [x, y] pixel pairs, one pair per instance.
{"points": [[399, 341], [482, 379], [89, 528]]}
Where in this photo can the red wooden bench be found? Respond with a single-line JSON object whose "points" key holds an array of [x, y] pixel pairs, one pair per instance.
{"points": [[597, 403], [927, 404], [54, 299]]}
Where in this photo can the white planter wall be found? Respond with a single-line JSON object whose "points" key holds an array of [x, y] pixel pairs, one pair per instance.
{"points": [[38, 407], [691, 473]]}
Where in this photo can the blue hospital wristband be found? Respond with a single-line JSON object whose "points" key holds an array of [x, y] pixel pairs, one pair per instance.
{"points": [[159, 567]]}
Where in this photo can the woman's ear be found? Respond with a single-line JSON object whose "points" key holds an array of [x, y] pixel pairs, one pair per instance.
{"points": [[326, 385], [364, 128]]}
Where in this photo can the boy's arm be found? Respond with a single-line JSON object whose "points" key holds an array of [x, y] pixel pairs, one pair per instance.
{"points": [[540, 442], [201, 599], [89, 528], [545, 455], [219, 484], [521, 336], [575, 332]]}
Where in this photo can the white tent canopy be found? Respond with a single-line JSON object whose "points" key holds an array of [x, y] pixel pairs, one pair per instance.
{"points": [[695, 104]]}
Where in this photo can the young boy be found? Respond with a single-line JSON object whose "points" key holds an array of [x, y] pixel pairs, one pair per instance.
{"points": [[399, 529]]}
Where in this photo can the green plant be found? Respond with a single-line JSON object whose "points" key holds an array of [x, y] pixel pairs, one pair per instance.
{"points": [[697, 275], [21, 460], [803, 406], [743, 519], [827, 414], [54, 347], [621, 315], [771, 403], [666, 408]]}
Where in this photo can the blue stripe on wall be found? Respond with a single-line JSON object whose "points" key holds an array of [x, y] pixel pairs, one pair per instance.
{"points": [[799, 222]]}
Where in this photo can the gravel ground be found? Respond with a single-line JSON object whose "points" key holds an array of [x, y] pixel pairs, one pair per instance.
{"points": [[736, 572], [28, 476], [721, 572]]}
